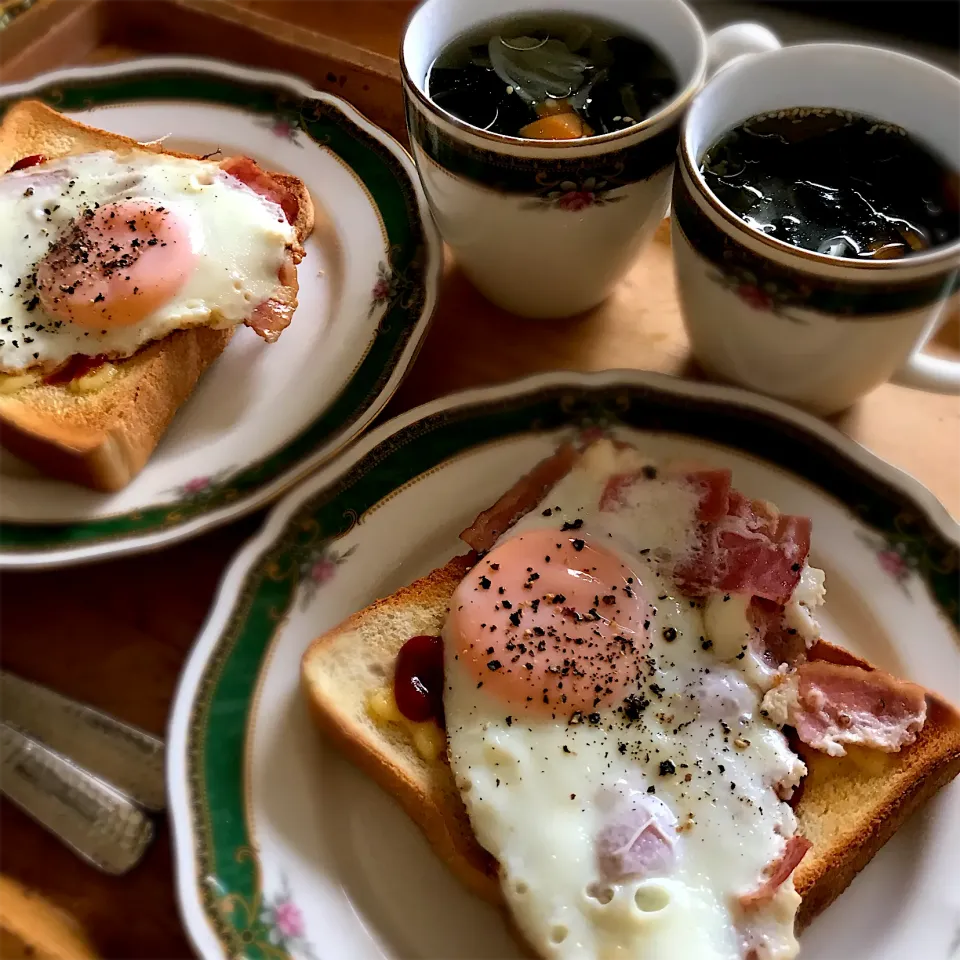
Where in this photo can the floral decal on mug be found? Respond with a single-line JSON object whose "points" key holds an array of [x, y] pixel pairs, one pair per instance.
{"points": [[573, 197], [757, 293]]}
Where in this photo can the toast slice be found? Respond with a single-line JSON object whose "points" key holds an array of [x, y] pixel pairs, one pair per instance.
{"points": [[33, 927], [103, 437], [848, 807]]}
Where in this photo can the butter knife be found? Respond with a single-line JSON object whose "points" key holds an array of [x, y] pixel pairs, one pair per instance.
{"points": [[95, 820], [123, 755]]}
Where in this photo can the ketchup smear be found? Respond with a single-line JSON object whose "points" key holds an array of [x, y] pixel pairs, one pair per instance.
{"points": [[418, 682], [32, 161], [77, 366]]}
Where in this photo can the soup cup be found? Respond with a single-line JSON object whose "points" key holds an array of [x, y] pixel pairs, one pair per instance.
{"points": [[547, 228], [813, 329]]}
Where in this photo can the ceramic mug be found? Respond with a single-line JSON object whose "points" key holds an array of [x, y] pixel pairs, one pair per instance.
{"points": [[816, 330], [547, 228]]}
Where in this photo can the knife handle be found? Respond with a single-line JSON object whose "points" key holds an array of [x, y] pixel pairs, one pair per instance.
{"points": [[123, 755], [98, 822]]}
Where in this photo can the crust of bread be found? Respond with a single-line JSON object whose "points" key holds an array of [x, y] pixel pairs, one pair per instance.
{"points": [[103, 439], [848, 807]]}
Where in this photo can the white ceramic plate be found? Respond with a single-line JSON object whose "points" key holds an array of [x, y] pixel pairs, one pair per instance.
{"points": [[264, 415], [284, 849]]}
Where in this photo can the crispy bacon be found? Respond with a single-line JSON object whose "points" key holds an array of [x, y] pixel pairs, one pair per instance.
{"points": [[520, 499], [247, 171], [777, 872], [832, 706]]}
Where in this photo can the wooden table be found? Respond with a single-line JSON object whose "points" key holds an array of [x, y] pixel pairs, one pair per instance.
{"points": [[115, 634]]}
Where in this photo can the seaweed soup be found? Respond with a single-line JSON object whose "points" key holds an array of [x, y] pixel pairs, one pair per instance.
{"points": [[835, 182], [551, 77]]}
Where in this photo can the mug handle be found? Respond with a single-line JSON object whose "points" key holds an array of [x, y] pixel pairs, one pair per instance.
{"points": [[926, 372], [936, 374], [737, 40]]}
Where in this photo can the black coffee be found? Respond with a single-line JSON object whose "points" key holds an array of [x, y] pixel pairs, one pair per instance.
{"points": [[551, 77], [835, 182]]}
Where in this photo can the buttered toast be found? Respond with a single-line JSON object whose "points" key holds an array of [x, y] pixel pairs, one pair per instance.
{"points": [[93, 416]]}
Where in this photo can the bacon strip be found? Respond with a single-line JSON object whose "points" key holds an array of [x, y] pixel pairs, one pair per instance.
{"points": [[746, 546], [248, 172], [777, 872], [520, 499], [614, 493], [715, 493], [637, 839], [752, 549], [775, 642], [832, 705], [273, 316], [713, 485]]}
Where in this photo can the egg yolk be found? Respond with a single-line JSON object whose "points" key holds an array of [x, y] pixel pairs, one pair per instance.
{"points": [[553, 624], [116, 265]]}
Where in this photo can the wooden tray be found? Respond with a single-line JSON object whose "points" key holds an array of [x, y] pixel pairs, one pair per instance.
{"points": [[59, 33], [116, 634]]}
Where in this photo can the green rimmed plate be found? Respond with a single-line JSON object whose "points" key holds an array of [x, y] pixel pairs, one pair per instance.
{"points": [[283, 849], [263, 416]]}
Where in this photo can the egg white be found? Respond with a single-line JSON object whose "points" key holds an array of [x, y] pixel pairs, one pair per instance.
{"points": [[240, 239], [534, 805]]}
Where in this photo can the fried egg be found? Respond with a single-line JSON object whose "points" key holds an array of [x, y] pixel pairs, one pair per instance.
{"points": [[104, 253], [613, 761]]}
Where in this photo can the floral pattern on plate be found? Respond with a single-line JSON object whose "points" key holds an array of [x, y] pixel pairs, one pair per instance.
{"points": [[200, 488], [318, 567], [272, 928], [894, 557], [392, 287], [286, 126]]}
